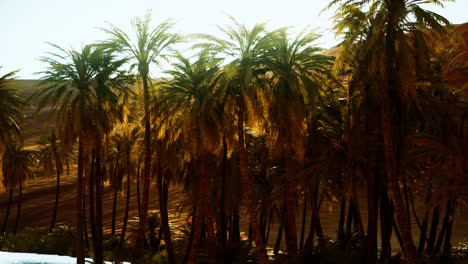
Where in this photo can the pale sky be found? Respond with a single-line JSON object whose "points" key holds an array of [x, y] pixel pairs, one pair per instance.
{"points": [[26, 25]]}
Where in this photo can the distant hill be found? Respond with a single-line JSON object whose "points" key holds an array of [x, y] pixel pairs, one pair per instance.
{"points": [[34, 124], [27, 87]]}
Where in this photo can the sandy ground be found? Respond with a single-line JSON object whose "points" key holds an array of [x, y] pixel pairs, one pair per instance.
{"points": [[39, 197]]}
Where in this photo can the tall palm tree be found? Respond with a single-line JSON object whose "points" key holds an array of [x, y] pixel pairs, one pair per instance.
{"points": [[54, 156], [80, 87], [10, 116], [147, 48], [383, 36], [192, 96], [125, 140], [298, 72], [18, 167], [241, 50]]}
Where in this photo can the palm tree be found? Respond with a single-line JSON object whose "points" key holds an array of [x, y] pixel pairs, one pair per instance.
{"points": [[242, 47], [439, 141], [192, 96], [18, 167], [10, 116], [127, 140], [54, 156], [76, 85], [149, 47], [298, 72], [386, 37]]}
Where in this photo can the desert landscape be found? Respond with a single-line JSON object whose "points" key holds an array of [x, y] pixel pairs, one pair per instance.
{"points": [[259, 147]]}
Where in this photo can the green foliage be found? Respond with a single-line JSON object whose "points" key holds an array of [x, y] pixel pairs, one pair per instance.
{"points": [[60, 241]]}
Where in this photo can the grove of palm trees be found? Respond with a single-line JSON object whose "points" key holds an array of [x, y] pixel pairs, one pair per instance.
{"points": [[242, 149]]}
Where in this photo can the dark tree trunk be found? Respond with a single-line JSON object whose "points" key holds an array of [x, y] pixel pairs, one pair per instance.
{"points": [[262, 223], [235, 227], [223, 215], [143, 213], [386, 221], [57, 187], [114, 211], [20, 201], [422, 236], [163, 197], [262, 257], [447, 248], [304, 219], [98, 241], [270, 220], [276, 247], [138, 188], [85, 220], [398, 234], [127, 204], [443, 229], [290, 228], [433, 232], [392, 126], [372, 205], [341, 230], [7, 214], [80, 251], [358, 225], [315, 225], [204, 207], [189, 246], [349, 220], [91, 200]]}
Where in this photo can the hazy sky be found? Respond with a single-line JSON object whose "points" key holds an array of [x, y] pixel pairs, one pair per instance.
{"points": [[26, 25]]}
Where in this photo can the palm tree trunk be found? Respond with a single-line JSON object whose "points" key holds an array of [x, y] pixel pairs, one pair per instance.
{"points": [[98, 253], [163, 191], [127, 204], [401, 215], [386, 221], [422, 236], [315, 225], [20, 198], [390, 125], [433, 232], [85, 220], [57, 193], [2, 152], [304, 219], [222, 228], [276, 247], [80, 253], [349, 220], [114, 211], [204, 205], [198, 220], [447, 248], [372, 214], [138, 188], [443, 230], [262, 257], [58, 169], [7, 214], [270, 220], [139, 244], [290, 228], [234, 236], [341, 223], [91, 202]]}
